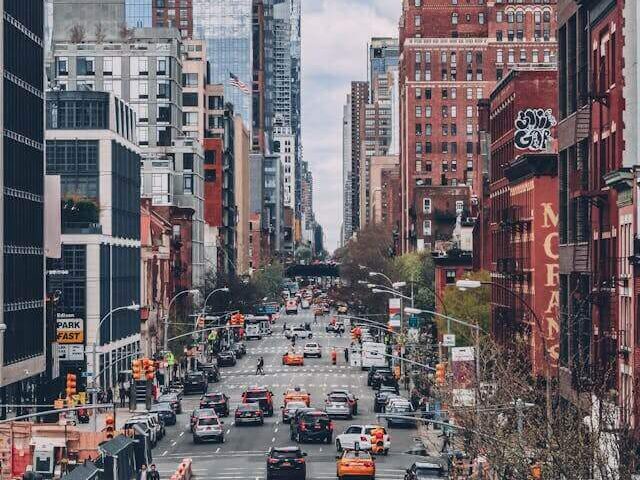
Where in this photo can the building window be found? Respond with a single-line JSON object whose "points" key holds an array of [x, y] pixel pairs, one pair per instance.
{"points": [[210, 157], [426, 228], [450, 277], [139, 66], [418, 111], [417, 20], [426, 205], [188, 184], [164, 89], [62, 66], [189, 79], [427, 111], [85, 66], [499, 58], [454, 18], [481, 18]]}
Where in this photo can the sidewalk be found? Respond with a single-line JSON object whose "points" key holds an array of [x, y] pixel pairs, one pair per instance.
{"points": [[430, 439]]}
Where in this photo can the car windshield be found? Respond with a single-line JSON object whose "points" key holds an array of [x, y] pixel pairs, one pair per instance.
{"points": [[285, 454], [248, 407], [401, 407], [160, 407], [338, 398], [311, 345], [194, 376], [208, 421], [256, 394], [316, 417], [208, 412], [294, 405], [215, 397], [368, 430], [425, 473], [359, 454], [168, 398]]}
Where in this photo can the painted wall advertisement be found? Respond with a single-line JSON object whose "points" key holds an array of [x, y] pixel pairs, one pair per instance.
{"points": [[394, 312], [463, 369], [70, 337]]}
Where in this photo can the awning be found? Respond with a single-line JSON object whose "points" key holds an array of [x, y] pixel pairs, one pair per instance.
{"points": [[86, 471], [43, 443], [114, 446]]}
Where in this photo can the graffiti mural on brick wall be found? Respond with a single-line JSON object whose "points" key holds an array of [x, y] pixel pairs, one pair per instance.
{"points": [[533, 129]]}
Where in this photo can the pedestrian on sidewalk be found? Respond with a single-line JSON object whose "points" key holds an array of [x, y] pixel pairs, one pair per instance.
{"points": [[346, 355], [123, 395], [109, 395], [153, 473], [260, 368], [142, 475]]}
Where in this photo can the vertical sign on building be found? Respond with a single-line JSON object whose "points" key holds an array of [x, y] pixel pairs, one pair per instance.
{"points": [[394, 312], [464, 376]]}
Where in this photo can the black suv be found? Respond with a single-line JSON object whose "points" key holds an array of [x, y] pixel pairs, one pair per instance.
{"points": [[313, 425], [219, 402], [381, 397], [286, 462], [195, 382], [226, 358], [425, 471], [211, 371], [375, 371]]}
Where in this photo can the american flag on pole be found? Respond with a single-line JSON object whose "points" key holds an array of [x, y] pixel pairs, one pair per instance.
{"points": [[234, 81]]}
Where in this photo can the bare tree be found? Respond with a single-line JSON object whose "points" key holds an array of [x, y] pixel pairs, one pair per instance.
{"points": [[100, 33], [126, 33], [77, 33]]}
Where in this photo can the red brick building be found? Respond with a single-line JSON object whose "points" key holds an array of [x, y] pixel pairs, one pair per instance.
{"points": [[452, 55], [450, 268], [213, 155], [177, 14], [523, 216]]}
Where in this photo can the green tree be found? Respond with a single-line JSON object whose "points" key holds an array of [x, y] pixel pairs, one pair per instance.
{"points": [[417, 270], [268, 281], [472, 306]]}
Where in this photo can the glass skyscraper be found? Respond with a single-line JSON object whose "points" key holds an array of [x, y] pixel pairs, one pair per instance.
{"points": [[138, 13], [226, 27]]}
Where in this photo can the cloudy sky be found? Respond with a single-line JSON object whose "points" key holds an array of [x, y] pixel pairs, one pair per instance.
{"points": [[334, 41]]}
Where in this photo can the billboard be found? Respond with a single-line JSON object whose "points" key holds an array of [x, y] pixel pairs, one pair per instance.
{"points": [[394, 312], [69, 329], [463, 369]]}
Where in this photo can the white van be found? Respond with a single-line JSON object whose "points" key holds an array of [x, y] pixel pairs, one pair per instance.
{"points": [[252, 330], [373, 355]]}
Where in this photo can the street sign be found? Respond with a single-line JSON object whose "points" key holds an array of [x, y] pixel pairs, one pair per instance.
{"points": [[87, 374], [448, 340]]}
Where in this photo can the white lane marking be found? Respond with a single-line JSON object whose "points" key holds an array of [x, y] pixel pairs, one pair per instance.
{"points": [[275, 431], [228, 430], [165, 452], [181, 433], [217, 449], [273, 439], [173, 444]]}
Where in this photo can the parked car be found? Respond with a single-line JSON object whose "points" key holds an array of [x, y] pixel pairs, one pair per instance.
{"points": [[239, 349], [172, 399], [381, 397], [311, 426], [226, 358], [218, 401], [425, 471], [195, 382], [373, 371], [290, 408], [287, 463], [154, 418], [165, 412], [211, 371], [208, 427], [249, 413], [312, 349], [261, 396], [143, 426]]}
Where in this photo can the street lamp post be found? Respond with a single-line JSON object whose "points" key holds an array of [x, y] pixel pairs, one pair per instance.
{"points": [[94, 345], [166, 317], [470, 284]]}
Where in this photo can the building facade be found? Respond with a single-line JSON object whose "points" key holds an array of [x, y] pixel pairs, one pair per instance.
{"points": [[451, 57], [22, 317], [91, 144]]}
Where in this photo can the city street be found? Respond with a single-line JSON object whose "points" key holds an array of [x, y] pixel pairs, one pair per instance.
{"points": [[242, 456]]}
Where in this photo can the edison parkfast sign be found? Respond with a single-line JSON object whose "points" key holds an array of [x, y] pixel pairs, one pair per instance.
{"points": [[69, 329]]}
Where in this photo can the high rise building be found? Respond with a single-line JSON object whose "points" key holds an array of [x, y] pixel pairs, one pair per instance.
{"points": [[451, 57], [22, 316], [139, 13], [226, 28], [383, 54], [160, 13], [282, 50], [262, 75], [347, 174], [284, 143], [91, 145]]}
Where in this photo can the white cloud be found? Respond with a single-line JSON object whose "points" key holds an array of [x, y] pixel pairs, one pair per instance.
{"points": [[334, 52]]}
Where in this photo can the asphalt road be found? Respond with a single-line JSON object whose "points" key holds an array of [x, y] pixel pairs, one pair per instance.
{"points": [[243, 455]]}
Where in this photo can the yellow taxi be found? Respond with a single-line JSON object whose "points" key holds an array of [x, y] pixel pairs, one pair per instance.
{"points": [[297, 394], [355, 463], [293, 358]]}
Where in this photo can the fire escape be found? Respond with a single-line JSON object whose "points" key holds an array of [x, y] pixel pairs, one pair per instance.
{"points": [[594, 274]]}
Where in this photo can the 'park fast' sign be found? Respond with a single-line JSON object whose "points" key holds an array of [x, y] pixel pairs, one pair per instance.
{"points": [[69, 329]]}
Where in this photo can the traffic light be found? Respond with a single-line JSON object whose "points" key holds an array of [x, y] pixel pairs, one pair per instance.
{"points": [[72, 385], [149, 368], [441, 373], [110, 426], [136, 368]]}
